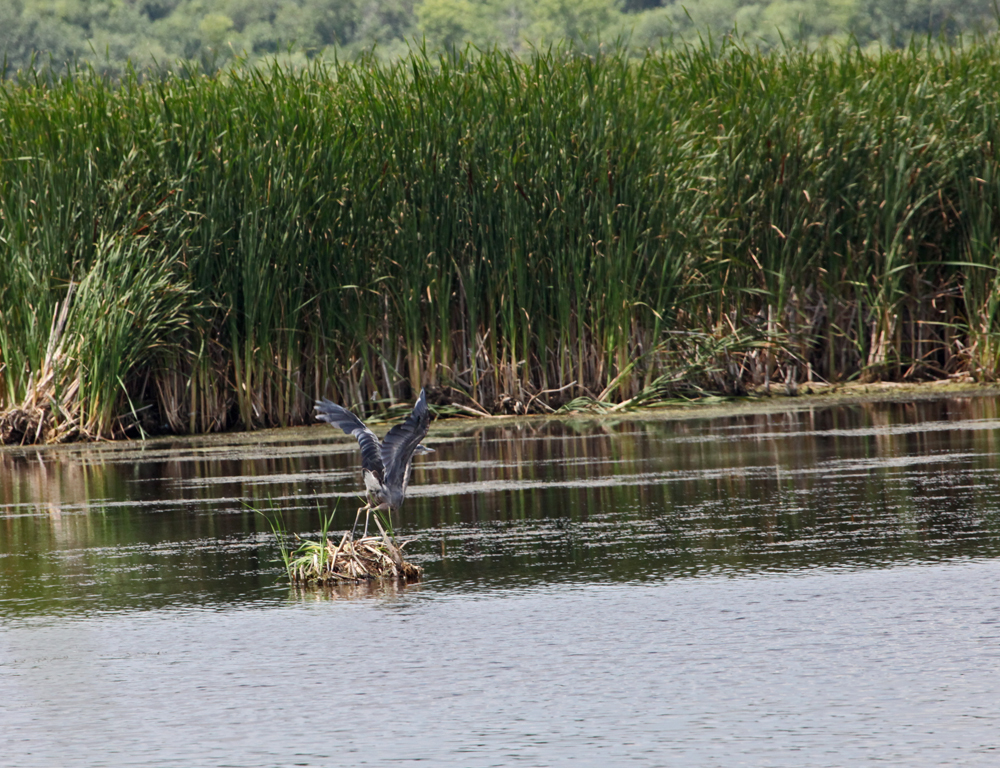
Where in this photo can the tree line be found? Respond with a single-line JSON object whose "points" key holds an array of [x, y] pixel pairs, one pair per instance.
{"points": [[110, 34]]}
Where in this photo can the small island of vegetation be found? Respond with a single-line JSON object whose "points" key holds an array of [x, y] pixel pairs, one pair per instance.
{"points": [[344, 559]]}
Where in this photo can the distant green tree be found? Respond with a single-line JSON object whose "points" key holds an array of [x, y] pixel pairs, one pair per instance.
{"points": [[155, 9], [894, 21], [448, 24], [111, 33], [648, 30], [43, 31], [215, 29], [635, 6], [510, 21], [583, 21], [799, 21], [382, 25], [334, 22]]}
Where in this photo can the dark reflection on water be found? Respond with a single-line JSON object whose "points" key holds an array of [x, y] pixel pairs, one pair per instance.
{"points": [[510, 504], [818, 587]]}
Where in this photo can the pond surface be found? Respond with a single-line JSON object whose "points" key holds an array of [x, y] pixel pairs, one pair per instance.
{"points": [[813, 587]]}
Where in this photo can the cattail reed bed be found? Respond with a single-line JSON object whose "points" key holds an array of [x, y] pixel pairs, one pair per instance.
{"points": [[193, 253]]}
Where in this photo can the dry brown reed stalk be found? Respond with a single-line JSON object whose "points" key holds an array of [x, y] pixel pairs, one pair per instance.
{"points": [[41, 416], [367, 559]]}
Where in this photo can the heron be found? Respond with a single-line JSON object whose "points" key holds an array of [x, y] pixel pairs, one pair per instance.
{"points": [[385, 465]]}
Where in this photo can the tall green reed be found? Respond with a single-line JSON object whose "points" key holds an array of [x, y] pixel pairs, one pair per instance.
{"points": [[221, 249]]}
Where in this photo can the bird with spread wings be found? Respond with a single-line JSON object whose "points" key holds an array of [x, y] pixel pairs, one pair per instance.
{"points": [[385, 465]]}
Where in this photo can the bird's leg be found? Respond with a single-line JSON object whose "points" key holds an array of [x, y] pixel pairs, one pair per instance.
{"points": [[376, 509], [368, 514], [364, 509]]}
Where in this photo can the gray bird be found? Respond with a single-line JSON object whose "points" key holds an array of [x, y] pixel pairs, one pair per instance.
{"points": [[385, 465]]}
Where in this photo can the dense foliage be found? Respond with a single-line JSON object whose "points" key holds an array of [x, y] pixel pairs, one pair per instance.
{"points": [[109, 33], [204, 251]]}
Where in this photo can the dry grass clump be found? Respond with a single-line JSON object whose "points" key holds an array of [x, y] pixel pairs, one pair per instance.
{"points": [[367, 559], [39, 416], [313, 563]]}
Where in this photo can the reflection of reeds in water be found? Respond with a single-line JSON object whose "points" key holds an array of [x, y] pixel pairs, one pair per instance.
{"points": [[616, 498], [194, 253], [381, 589]]}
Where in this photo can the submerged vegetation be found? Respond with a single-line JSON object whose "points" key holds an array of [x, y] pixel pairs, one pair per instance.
{"points": [[196, 253]]}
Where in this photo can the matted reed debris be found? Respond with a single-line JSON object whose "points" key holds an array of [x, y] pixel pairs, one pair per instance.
{"points": [[350, 561]]}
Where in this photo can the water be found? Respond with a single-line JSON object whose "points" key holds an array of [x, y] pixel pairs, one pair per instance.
{"points": [[816, 587]]}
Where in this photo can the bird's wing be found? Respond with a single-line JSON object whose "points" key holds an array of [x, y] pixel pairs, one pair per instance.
{"points": [[371, 456], [398, 447]]}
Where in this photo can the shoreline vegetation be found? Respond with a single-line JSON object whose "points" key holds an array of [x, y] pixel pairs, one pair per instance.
{"points": [[197, 253]]}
